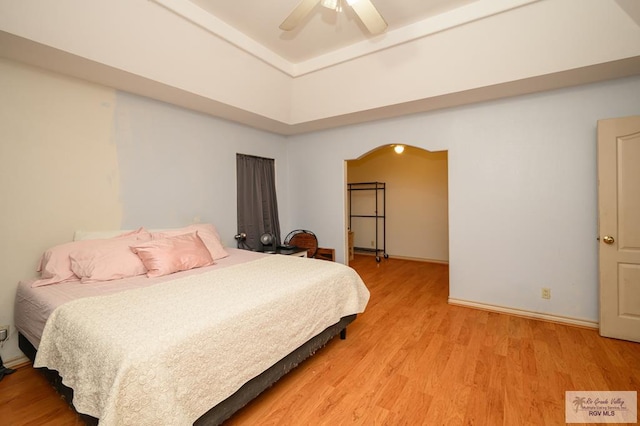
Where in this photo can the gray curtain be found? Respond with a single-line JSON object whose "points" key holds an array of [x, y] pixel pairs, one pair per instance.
{"points": [[257, 201]]}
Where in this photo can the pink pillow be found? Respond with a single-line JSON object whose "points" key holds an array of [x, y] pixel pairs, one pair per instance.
{"points": [[55, 264], [173, 254], [111, 260], [206, 231]]}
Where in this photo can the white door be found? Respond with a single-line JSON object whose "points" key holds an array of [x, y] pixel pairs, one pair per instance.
{"points": [[619, 227]]}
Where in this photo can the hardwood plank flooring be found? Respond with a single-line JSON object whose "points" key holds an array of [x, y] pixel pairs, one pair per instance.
{"points": [[410, 359]]}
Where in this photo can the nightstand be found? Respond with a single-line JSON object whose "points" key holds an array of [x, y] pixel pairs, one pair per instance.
{"points": [[295, 251], [292, 251]]}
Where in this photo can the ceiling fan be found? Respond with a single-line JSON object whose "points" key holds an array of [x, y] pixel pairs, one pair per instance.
{"points": [[365, 10]]}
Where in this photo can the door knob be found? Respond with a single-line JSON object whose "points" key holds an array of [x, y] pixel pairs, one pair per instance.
{"points": [[608, 239]]}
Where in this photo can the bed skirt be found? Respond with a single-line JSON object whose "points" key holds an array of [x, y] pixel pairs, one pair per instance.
{"points": [[241, 397]]}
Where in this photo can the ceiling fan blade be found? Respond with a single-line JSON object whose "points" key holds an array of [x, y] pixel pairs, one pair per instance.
{"points": [[369, 16], [298, 14]]}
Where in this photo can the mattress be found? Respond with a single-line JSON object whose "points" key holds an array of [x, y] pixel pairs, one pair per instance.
{"points": [[33, 306], [267, 324]]}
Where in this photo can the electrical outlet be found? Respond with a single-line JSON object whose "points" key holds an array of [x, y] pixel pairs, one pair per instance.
{"points": [[546, 293], [4, 332], [372, 243]]}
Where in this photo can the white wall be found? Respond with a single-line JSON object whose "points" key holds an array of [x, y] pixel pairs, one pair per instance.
{"points": [[539, 39], [522, 191], [416, 217], [142, 38], [59, 170], [80, 156], [145, 48], [179, 166]]}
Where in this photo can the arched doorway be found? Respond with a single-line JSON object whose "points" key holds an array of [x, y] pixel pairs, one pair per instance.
{"points": [[416, 203]]}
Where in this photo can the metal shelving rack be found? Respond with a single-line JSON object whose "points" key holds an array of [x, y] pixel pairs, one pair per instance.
{"points": [[379, 188]]}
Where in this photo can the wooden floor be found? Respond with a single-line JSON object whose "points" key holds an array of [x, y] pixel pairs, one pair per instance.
{"points": [[410, 359]]}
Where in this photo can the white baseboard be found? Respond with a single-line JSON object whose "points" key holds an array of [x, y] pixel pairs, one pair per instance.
{"points": [[415, 259], [16, 361], [526, 314], [421, 259]]}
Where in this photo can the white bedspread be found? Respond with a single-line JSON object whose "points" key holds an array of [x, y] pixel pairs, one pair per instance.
{"points": [[165, 354]]}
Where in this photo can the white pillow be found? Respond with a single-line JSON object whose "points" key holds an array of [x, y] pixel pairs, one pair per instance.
{"points": [[97, 235]]}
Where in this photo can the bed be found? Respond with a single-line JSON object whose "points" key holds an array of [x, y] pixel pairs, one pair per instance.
{"points": [[178, 347]]}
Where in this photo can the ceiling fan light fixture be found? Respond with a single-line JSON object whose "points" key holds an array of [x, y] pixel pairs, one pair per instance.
{"points": [[364, 9], [399, 149], [330, 4]]}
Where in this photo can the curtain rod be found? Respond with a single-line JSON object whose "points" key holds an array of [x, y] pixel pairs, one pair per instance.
{"points": [[255, 156]]}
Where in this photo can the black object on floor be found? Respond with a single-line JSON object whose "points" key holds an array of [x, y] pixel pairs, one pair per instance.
{"points": [[4, 371]]}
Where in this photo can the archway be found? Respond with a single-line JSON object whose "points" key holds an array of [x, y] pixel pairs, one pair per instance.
{"points": [[415, 214]]}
